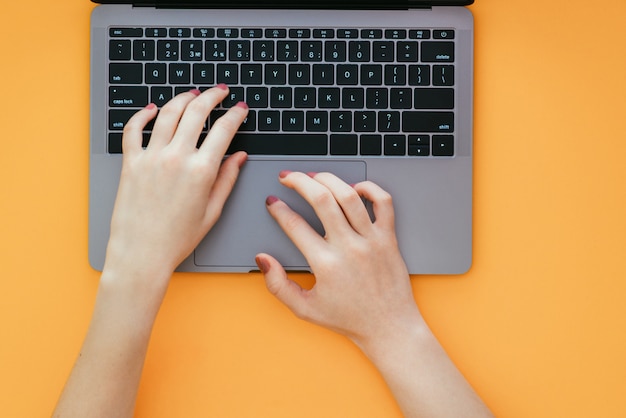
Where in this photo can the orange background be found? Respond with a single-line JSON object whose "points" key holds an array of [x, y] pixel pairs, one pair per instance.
{"points": [[538, 325]]}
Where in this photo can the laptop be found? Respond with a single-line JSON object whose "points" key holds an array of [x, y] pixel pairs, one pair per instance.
{"points": [[377, 90]]}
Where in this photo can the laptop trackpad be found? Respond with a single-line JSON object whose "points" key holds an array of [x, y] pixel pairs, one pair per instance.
{"points": [[246, 228]]}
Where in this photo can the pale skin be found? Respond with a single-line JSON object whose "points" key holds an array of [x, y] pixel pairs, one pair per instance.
{"points": [[171, 194]]}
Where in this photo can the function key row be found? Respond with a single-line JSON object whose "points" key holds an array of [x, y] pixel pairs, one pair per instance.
{"points": [[257, 33]]}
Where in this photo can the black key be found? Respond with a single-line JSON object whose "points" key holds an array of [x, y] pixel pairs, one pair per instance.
{"points": [[287, 51], [143, 50], [419, 75], [304, 97], [317, 121], [115, 142], [347, 33], [156, 73], [395, 145], [119, 117], [443, 75], [389, 121], [180, 32], [438, 51], [383, 51], [263, 50], [228, 33], [180, 74], [300, 33], [215, 51], [257, 97], [428, 122], [281, 97], [353, 98], [269, 120], [275, 33], [204, 33], [371, 145], [407, 51], [365, 121], [119, 50], [376, 98], [251, 74], [293, 121], [419, 34], [347, 74], [167, 50], [191, 50], [235, 95], [279, 144], [401, 98], [341, 121], [160, 95], [228, 74], [239, 50], [128, 96], [249, 123], [323, 75], [125, 32], [276, 74], [395, 75], [329, 98], [443, 34], [335, 51], [443, 145], [419, 145], [372, 75], [359, 51], [372, 33], [299, 74], [203, 74], [432, 98], [130, 73], [252, 33], [343, 144], [323, 33], [311, 51], [395, 33], [156, 32]]}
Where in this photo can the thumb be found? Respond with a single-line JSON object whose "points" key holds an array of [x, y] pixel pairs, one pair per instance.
{"points": [[285, 290]]}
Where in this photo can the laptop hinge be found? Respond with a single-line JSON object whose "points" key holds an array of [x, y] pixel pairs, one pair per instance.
{"points": [[286, 4]]}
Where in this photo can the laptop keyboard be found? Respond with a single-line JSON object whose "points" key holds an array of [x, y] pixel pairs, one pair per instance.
{"points": [[336, 92]]}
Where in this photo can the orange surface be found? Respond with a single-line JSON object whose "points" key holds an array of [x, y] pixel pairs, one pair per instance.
{"points": [[538, 325]]}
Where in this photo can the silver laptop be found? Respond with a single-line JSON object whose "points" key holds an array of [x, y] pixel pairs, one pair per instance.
{"points": [[378, 90]]}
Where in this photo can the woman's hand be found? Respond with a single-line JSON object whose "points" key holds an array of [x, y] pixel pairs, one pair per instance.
{"points": [[172, 193]]}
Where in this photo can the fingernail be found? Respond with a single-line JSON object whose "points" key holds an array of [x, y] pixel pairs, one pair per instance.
{"points": [[243, 159], [195, 92], [263, 264], [311, 174], [284, 173], [242, 105], [222, 86], [150, 106], [270, 200]]}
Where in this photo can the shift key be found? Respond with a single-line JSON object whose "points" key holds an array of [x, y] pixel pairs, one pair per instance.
{"points": [[428, 122]]}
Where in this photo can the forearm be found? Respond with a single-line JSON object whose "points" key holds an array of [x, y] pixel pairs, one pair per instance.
{"points": [[105, 378], [421, 376]]}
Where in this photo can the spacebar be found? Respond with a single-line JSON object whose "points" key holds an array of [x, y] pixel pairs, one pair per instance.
{"points": [[280, 144]]}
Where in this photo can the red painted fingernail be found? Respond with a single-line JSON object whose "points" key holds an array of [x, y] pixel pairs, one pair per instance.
{"points": [[263, 265], [151, 106], [195, 92], [242, 105], [311, 174], [222, 86], [270, 200], [284, 173]]}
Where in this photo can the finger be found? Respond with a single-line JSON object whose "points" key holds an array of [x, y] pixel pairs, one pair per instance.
{"points": [[287, 291], [221, 134], [382, 203], [224, 183], [304, 237], [348, 199], [133, 130], [169, 116], [196, 114], [321, 200]]}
